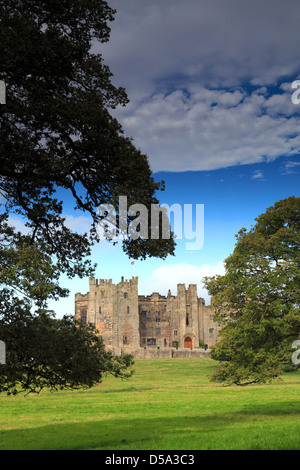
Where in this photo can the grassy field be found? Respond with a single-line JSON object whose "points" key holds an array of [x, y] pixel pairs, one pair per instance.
{"points": [[168, 405]]}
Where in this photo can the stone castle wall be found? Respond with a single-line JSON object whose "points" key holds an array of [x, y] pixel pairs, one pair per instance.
{"points": [[155, 325], [164, 353]]}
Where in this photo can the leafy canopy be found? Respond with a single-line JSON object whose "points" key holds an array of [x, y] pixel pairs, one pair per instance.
{"points": [[57, 135], [257, 300], [45, 352], [56, 130]]}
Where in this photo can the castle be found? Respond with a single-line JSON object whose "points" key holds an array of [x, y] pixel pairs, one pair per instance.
{"points": [[148, 326]]}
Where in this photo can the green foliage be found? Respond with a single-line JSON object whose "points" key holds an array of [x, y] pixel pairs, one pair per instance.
{"points": [[57, 136], [56, 130], [258, 298], [28, 267], [44, 352]]}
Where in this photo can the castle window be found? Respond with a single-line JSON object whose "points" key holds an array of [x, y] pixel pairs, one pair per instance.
{"points": [[125, 295], [148, 316], [144, 340], [99, 310], [157, 331], [211, 331], [157, 317], [125, 340], [144, 331], [83, 315], [165, 341], [151, 341], [127, 309], [187, 319], [175, 332]]}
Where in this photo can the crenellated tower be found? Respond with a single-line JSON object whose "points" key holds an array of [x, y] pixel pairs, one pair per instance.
{"points": [[127, 321]]}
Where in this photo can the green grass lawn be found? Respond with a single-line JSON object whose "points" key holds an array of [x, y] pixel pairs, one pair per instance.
{"points": [[169, 404]]}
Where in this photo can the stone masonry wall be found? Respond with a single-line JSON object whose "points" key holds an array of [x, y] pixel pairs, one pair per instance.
{"points": [[128, 322], [127, 314], [154, 321]]}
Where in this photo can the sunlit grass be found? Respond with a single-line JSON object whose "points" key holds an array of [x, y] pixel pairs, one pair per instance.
{"points": [[169, 404]]}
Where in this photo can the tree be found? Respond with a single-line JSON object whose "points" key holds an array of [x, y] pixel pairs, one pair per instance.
{"points": [[56, 130], [28, 267], [44, 352], [57, 134], [258, 298]]}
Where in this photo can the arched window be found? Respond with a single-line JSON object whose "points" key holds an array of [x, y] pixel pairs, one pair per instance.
{"points": [[83, 315]]}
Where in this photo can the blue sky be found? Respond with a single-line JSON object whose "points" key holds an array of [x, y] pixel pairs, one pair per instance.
{"points": [[210, 88], [232, 198]]}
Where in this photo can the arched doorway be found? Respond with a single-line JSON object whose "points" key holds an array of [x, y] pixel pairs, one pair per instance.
{"points": [[188, 343]]}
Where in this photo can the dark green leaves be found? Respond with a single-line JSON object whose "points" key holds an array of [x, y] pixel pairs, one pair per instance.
{"points": [[258, 298], [44, 352]]}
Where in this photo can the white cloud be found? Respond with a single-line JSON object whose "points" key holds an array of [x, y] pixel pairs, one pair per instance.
{"points": [[19, 224], [80, 224], [281, 103], [258, 175], [290, 167], [212, 42], [169, 275], [205, 129], [187, 67]]}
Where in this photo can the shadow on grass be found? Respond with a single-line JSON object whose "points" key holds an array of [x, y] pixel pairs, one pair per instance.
{"points": [[150, 433]]}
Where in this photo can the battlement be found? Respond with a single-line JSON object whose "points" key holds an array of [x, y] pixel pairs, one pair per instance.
{"points": [[99, 282], [154, 297], [108, 282], [126, 320], [128, 282], [79, 296], [133, 282]]}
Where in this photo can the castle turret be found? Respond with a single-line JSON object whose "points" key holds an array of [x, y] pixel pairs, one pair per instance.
{"points": [[128, 322]]}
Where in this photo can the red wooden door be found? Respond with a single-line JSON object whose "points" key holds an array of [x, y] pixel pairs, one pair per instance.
{"points": [[188, 343]]}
